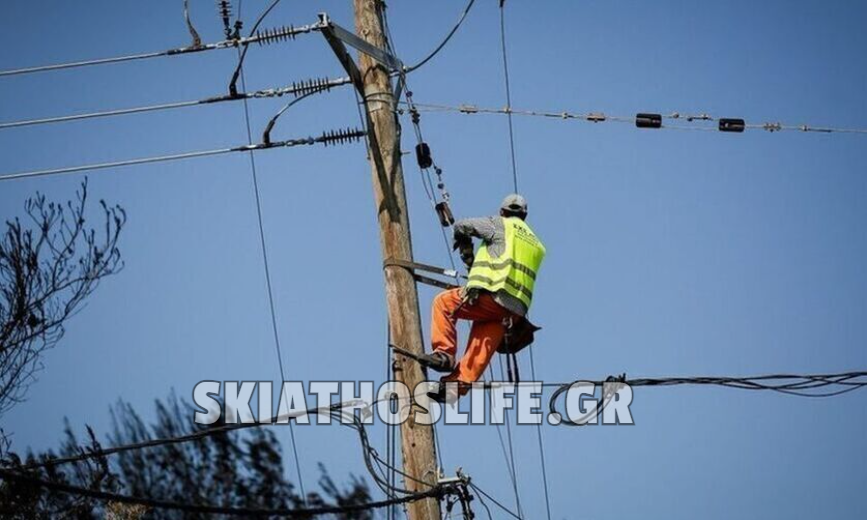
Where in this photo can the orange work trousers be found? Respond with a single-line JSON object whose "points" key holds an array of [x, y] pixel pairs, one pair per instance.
{"points": [[485, 336]]}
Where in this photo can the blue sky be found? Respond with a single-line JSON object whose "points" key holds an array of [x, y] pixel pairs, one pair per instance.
{"points": [[669, 253]]}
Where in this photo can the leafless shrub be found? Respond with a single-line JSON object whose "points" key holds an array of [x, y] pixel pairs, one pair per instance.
{"points": [[49, 265]]}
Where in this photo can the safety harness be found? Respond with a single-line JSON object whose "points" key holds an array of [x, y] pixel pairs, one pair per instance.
{"points": [[520, 332]]}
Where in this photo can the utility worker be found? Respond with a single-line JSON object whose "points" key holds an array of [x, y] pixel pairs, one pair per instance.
{"points": [[500, 289]]}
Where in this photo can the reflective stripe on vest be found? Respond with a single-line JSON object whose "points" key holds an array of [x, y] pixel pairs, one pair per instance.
{"points": [[515, 270]]}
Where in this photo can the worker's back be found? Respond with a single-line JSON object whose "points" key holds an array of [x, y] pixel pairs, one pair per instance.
{"points": [[515, 270]]}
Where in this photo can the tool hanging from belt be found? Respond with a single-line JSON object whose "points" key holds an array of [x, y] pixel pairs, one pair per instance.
{"points": [[520, 334], [414, 266]]}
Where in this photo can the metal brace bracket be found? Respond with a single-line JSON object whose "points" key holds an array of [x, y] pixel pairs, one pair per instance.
{"points": [[338, 37]]}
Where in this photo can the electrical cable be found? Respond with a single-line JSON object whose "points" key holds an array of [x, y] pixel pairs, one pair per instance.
{"points": [[266, 135], [106, 113], [336, 412], [599, 117], [327, 138], [424, 173], [425, 176], [485, 505], [203, 433], [264, 37], [267, 271], [296, 88], [514, 469], [508, 90], [789, 384], [8, 474], [508, 109], [233, 82], [495, 501], [541, 446], [510, 469], [508, 94], [442, 44]]}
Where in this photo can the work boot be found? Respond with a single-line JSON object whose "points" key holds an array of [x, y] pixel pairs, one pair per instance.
{"points": [[437, 361], [447, 392], [438, 394]]}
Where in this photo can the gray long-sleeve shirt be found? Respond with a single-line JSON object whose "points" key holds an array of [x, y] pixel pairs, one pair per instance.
{"points": [[493, 233]]}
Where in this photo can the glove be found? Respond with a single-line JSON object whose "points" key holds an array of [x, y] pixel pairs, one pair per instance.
{"points": [[467, 256], [460, 242]]}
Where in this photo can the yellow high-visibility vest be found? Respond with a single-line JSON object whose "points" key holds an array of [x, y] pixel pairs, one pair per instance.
{"points": [[515, 270]]}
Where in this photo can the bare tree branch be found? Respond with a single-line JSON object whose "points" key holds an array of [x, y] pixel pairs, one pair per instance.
{"points": [[48, 268]]}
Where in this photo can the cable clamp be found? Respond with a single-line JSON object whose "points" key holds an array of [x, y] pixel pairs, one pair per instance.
{"points": [[468, 109], [700, 117]]}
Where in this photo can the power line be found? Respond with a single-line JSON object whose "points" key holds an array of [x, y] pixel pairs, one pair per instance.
{"points": [[262, 38], [514, 469], [508, 93], [508, 90], [268, 275], [541, 446], [693, 123], [298, 88], [105, 496], [803, 385], [84, 455], [510, 467], [448, 37], [327, 138], [495, 501], [243, 54], [336, 412]]}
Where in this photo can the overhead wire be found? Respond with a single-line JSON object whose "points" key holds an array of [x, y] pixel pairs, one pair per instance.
{"points": [[485, 505], [508, 88], [327, 138], [514, 162], [224, 44], [600, 117], [541, 447], [266, 135], [152, 503], [336, 412], [267, 270], [349, 419], [296, 88], [513, 464], [424, 173], [495, 501], [786, 383], [243, 54], [510, 468], [389, 40], [442, 44], [802, 385]]}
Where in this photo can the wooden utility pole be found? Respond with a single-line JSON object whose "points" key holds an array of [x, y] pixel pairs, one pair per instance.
{"points": [[417, 444]]}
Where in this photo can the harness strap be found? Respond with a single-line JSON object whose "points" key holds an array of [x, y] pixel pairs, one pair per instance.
{"points": [[512, 368]]}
